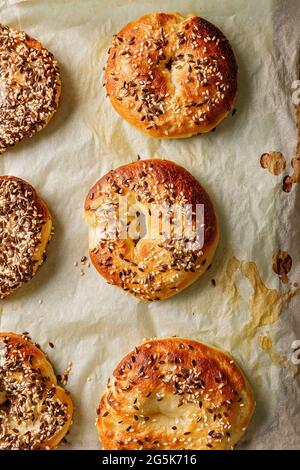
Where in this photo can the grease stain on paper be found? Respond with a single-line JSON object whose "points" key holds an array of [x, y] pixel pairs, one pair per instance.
{"points": [[282, 264], [275, 162], [267, 345], [228, 282], [265, 305], [288, 181]]}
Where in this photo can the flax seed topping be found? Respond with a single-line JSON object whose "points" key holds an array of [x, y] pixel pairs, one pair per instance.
{"points": [[35, 413], [25, 228], [29, 86]]}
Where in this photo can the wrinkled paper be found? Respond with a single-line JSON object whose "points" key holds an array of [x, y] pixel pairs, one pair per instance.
{"points": [[93, 324]]}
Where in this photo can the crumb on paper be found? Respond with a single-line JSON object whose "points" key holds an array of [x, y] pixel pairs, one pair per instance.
{"points": [[83, 263], [65, 377], [274, 162], [282, 264]]}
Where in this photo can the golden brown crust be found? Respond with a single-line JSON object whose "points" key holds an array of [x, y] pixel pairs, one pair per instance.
{"points": [[152, 266], [170, 76], [172, 394], [26, 226], [35, 412], [30, 86]]}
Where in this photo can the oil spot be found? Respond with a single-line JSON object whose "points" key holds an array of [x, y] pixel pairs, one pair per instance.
{"points": [[265, 343], [287, 184], [282, 264], [264, 305], [296, 168], [274, 162], [228, 282], [289, 180], [267, 346]]}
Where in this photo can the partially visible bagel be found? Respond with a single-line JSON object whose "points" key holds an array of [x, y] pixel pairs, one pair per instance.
{"points": [[30, 86], [175, 394], [149, 264], [35, 412], [26, 225], [170, 76]]}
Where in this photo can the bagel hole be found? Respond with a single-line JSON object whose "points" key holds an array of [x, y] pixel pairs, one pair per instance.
{"points": [[166, 410]]}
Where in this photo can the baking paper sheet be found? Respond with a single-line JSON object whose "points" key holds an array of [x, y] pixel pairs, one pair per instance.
{"points": [[93, 324]]}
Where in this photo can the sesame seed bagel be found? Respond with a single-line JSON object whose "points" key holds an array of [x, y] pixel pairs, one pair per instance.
{"points": [[35, 413], [26, 226], [139, 228], [30, 86], [170, 76], [175, 394]]}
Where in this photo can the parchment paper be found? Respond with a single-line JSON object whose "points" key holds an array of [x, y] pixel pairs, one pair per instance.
{"points": [[93, 324]]}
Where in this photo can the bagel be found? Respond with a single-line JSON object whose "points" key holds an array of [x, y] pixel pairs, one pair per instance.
{"points": [[30, 86], [175, 394], [170, 76], [150, 264], [26, 227], [35, 413]]}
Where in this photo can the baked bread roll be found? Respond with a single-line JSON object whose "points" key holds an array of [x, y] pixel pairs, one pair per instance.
{"points": [[35, 413], [139, 237], [30, 86], [170, 76], [26, 227], [171, 394]]}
